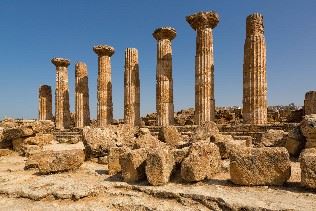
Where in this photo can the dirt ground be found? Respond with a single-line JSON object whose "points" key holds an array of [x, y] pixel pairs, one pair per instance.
{"points": [[91, 188]]}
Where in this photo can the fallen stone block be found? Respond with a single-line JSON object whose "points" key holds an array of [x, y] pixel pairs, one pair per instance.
{"points": [[114, 159], [170, 135], [308, 129], [260, 166], [203, 162], [133, 165], [159, 166], [308, 168], [205, 131], [295, 142], [273, 138], [56, 161]]}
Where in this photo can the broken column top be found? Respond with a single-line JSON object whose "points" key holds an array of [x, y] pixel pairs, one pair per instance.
{"points": [[60, 62], [203, 20], [81, 69], [164, 33], [103, 50], [254, 24], [45, 87]]}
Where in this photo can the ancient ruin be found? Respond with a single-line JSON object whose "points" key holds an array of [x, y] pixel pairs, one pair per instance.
{"points": [[105, 104], [204, 23], [82, 113], [62, 111], [310, 103], [164, 82], [253, 157], [45, 103], [131, 88], [255, 82]]}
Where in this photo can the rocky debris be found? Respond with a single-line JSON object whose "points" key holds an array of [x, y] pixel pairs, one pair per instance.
{"points": [[273, 138], [5, 152], [308, 129], [205, 131], [147, 141], [21, 145], [180, 154], [98, 141], [103, 160], [260, 166], [133, 165], [159, 166], [15, 133], [184, 117], [295, 142], [114, 159], [56, 161], [202, 162], [170, 135], [308, 168]]}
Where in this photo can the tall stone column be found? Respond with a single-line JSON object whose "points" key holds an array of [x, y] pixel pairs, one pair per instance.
{"points": [[104, 93], [82, 111], [310, 103], [254, 73], [62, 111], [204, 23], [164, 82], [131, 88], [45, 103]]}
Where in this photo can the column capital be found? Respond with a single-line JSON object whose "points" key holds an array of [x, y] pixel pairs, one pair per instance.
{"points": [[202, 20], [104, 50], [60, 62], [164, 33], [254, 24]]}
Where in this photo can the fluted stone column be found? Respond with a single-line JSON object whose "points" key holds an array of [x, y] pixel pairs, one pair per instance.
{"points": [[62, 112], [254, 73], [204, 23], [82, 111], [164, 82], [104, 93], [131, 88], [310, 103], [45, 103]]}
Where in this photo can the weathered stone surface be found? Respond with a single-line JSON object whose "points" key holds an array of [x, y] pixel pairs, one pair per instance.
{"points": [[202, 162], [82, 113], [159, 165], [295, 142], [254, 72], [131, 88], [260, 166], [170, 135], [180, 154], [114, 159], [274, 138], [204, 23], [205, 131], [56, 161], [104, 92], [15, 133], [62, 108], [133, 165], [310, 103], [21, 145], [164, 81], [45, 103], [308, 129], [5, 152], [226, 143], [308, 168], [147, 141]]}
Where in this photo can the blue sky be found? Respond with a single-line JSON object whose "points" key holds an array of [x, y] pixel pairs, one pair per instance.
{"points": [[34, 31]]}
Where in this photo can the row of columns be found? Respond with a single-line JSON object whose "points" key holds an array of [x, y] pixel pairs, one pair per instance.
{"points": [[254, 79]]}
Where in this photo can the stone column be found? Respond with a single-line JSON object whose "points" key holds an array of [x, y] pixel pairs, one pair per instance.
{"points": [[164, 82], [204, 23], [131, 88], [45, 103], [310, 103], [104, 93], [62, 112], [82, 111], [254, 73]]}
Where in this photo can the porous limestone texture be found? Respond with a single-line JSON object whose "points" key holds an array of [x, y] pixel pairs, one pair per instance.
{"points": [[131, 88], [82, 113], [310, 103], [254, 72], [204, 23], [164, 81], [45, 103], [104, 89], [62, 112], [260, 166], [308, 168]]}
